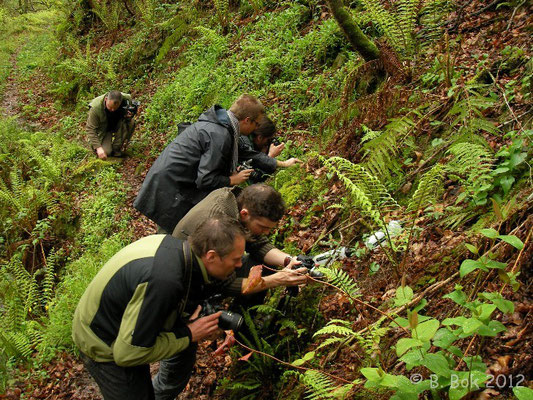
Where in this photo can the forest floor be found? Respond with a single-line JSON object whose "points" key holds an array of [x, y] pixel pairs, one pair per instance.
{"points": [[433, 256]]}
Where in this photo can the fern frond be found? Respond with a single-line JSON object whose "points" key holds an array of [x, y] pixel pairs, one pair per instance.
{"points": [[334, 329], [380, 154], [428, 190], [330, 341], [343, 281], [386, 22], [368, 193]]}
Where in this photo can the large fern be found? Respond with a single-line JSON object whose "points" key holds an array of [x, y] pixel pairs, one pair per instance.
{"points": [[368, 193]]}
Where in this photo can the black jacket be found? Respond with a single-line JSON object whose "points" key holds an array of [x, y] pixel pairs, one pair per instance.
{"points": [[260, 160], [194, 164]]}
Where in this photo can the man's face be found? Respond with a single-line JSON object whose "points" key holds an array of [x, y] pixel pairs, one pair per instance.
{"points": [[248, 125], [111, 105], [222, 267], [256, 225]]}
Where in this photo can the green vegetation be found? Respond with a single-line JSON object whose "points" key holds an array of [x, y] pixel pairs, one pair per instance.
{"points": [[439, 143]]}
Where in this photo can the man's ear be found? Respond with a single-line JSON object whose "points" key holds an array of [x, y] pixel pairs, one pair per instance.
{"points": [[211, 256], [244, 213]]}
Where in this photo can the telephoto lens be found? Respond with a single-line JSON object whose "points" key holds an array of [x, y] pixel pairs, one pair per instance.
{"points": [[229, 320]]}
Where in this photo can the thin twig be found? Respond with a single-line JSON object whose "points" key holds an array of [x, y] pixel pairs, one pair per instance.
{"points": [[289, 364]]}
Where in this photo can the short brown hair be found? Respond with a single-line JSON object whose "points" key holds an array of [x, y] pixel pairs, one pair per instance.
{"points": [[262, 201], [115, 96], [266, 127], [247, 106], [216, 233]]}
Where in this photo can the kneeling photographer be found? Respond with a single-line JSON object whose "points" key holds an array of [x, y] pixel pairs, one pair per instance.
{"points": [[110, 123], [259, 151]]}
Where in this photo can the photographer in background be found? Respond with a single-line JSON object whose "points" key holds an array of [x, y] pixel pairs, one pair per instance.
{"points": [[110, 123], [258, 208], [136, 309], [259, 148]]}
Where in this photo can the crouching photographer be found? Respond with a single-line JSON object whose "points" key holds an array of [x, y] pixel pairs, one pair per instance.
{"points": [[110, 123], [137, 309], [259, 151]]}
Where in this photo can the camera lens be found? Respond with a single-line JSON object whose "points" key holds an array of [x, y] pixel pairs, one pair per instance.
{"points": [[229, 320]]}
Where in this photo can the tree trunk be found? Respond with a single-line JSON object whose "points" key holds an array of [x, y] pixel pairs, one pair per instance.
{"points": [[355, 36]]}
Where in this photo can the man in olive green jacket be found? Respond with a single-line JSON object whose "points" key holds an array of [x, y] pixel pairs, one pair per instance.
{"points": [[134, 311], [110, 123]]}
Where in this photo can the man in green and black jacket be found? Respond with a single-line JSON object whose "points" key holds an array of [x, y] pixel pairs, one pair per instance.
{"points": [[132, 313], [109, 124]]}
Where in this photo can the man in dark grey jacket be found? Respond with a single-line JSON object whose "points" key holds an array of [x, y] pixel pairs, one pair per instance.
{"points": [[201, 159]]}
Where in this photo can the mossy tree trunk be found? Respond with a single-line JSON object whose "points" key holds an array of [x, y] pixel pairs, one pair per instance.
{"points": [[355, 36]]}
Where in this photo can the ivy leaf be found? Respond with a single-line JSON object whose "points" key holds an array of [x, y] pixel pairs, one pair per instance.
{"points": [[512, 240]]}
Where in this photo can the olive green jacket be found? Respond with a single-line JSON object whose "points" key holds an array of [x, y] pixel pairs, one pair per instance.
{"points": [[97, 120], [222, 202]]}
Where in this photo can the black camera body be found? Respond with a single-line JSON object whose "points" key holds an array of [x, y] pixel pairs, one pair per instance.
{"points": [[275, 142], [256, 175], [309, 263], [130, 106], [228, 320]]}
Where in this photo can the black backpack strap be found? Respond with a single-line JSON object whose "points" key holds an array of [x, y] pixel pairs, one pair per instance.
{"points": [[187, 255]]}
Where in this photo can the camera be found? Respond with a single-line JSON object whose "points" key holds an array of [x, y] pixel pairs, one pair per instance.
{"points": [[130, 106], [256, 175], [228, 320], [275, 142], [309, 263]]}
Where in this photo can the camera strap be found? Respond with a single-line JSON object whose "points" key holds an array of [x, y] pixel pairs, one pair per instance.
{"points": [[187, 255]]}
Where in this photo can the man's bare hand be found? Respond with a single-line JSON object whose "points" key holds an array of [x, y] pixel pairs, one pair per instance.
{"points": [[240, 177], [205, 327], [100, 152], [290, 277], [290, 162], [274, 151]]}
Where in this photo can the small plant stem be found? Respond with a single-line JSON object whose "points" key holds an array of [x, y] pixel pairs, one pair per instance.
{"points": [[289, 364], [518, 258], [466, 352]]}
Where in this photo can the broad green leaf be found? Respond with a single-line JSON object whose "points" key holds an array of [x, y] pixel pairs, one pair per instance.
{"points": [[456, 351], [405, 344], [444, 338], [468, 266], [438, 364], [492, 329], [506, 182], [471, 325], [426, 330], [404, 294], [472, 248], [485, 311], [496, 264], [503, 305], [454, 321], [372, 374], [412, 358], [458, 296], [513, 241], [490, 233], [307, 357], [523, 393]]}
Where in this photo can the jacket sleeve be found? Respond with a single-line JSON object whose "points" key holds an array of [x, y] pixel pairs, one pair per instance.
{"points": [[258, 247], [214, 161], [142, 337], [93, 127], [259, 159]]}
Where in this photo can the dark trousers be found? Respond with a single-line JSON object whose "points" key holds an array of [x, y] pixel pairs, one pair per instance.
{"points": [[174, 373], [120, 383]]}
